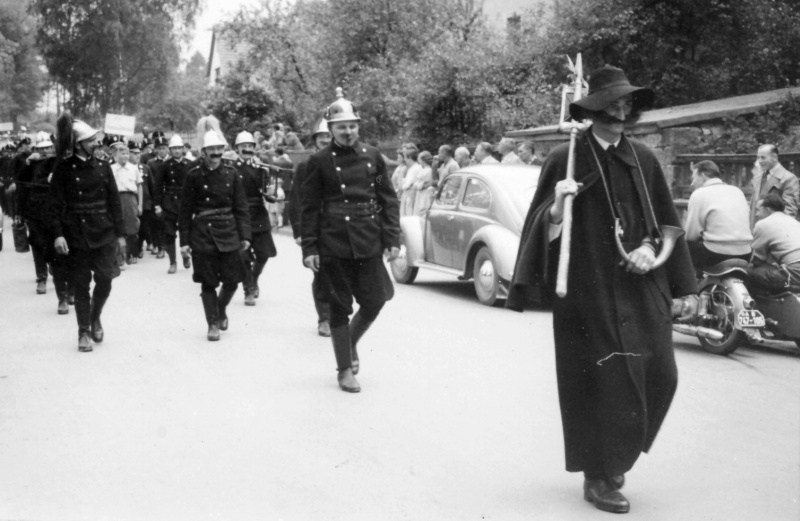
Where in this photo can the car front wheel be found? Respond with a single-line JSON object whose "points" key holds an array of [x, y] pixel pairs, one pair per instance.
{"points": [[486, 278], [402, 271]]}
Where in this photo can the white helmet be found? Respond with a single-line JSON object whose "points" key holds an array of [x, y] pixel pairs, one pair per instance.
{"points": [[320, 128], [175, 141], [244, 137], [212, 139], [82, 131], [42, 140]]}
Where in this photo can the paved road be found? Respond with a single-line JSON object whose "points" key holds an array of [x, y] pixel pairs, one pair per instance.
{"points": [[457, 419]]}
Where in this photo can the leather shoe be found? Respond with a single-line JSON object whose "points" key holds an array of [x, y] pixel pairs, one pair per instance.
{"points": [[187, 262], [160, 254], [84, 343], [249, 299], [324, 328], [41, 288], [347, 382], [172, 268], [213, 332], [63, 307], [605, 496]]}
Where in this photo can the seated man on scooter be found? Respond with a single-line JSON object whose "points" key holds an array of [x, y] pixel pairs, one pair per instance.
{"points": [[718, 219], [775, 265]]}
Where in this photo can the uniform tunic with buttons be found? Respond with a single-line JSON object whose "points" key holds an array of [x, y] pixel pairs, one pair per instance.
{"points": [[84, 203], [221, 190], [338, 178], [252, 181], [169, 183]]}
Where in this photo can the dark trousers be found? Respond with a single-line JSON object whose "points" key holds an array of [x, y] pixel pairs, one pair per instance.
{"points": [[44, 254], [366, 280], [145, 230], [770, 278], [322, 306], [703, 258], [100, 263]]}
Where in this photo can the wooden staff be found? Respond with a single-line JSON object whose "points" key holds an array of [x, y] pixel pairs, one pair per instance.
{"points": [[566, 228]]}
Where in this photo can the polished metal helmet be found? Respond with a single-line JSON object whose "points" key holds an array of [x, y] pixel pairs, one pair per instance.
{"points": [[244, 137], [82, 131], [321, 127], [175, 141], [212, 139], [341, 109]]}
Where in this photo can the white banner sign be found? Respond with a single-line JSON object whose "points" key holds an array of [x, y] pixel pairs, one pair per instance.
{"points": [[6, 127], [119, 125]]}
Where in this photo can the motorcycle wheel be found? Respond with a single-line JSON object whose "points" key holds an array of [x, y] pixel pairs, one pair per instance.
{"points": [[721, 306]]}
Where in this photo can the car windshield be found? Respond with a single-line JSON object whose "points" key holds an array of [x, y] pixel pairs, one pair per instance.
{"points": [[520, 187]]}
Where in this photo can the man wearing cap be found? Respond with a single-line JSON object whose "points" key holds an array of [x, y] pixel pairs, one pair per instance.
{"points": [[167, 199], [349, 217], [615, 363], [86, 219], [321, 138], [262, 246], [131, 193], [214, 229], [32, 197], [161, 145]]}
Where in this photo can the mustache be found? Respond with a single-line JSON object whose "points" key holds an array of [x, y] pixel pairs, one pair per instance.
{"points": [[248, 152], [215, 156]]}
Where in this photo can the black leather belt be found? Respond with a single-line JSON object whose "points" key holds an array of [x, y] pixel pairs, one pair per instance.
{"points": [[88, 208], [214, 214], [354, 209]]}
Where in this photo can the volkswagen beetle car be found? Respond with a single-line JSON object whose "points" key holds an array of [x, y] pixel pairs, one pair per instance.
{"points": [[472, 228]]}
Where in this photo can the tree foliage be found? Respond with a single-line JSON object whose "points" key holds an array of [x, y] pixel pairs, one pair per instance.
{"points": [[20, 77], [112, 55], [181, 106], [437, 70]]}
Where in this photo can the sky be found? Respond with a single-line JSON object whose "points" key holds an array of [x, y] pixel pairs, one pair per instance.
{"points": [[216, 11]]}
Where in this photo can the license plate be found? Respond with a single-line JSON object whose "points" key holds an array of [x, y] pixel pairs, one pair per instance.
{"points": [[750, 318]]}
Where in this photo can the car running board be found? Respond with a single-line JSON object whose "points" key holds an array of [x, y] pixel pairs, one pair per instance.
{"points": [[443, 269]]}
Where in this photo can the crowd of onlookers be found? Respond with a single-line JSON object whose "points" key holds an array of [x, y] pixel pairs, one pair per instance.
{"points": [[418, 174]]}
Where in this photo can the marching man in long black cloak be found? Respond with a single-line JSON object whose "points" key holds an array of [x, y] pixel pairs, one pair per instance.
{"points": [[615, 362]]}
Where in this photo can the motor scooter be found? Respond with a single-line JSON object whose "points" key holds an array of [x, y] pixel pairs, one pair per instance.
{"points": [[729, 314], [726, 313]]}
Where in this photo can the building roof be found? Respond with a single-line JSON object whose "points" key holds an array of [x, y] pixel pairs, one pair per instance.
{"points": [[226, 52], [684, 115]]}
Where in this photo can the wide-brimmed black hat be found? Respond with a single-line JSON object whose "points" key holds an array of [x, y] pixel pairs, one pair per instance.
{"points": [[608, 84]]}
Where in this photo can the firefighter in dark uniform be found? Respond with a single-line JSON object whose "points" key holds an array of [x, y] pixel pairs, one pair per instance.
{"points": [[214, 229], [86, 219], [147, 217], [32, 196], [321, 138], [349, 217], [262, 247], [154, 164], [169, 183], [147, 151]]}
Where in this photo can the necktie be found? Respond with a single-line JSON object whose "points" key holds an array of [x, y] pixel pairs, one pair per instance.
{"points": [[763, 180]]}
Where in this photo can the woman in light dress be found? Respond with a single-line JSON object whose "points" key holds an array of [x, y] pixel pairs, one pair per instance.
{"points": [[424, 184], [414, 172]]}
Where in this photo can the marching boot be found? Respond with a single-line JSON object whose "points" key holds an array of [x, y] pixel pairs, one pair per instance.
{"points": [[83, 311], [323, 314], [225, 296], [187, 261], [341, 348], [212, 318], [258, 268], [97, 327], [358, 326], [250, 297]]}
